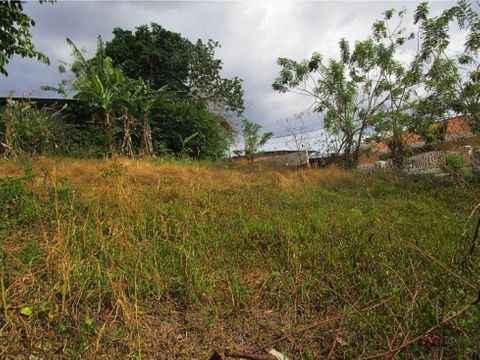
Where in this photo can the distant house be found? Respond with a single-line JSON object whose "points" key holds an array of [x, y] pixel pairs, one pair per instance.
{"points": [[319, 160], [455, 133], [281, 157]]}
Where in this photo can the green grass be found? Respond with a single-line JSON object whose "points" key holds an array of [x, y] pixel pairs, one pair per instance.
{"points": [[125, 258]]}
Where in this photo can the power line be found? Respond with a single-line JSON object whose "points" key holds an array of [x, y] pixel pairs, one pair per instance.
{"points": [[284, 134]]}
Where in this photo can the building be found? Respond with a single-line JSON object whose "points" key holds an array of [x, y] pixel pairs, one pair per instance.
{"points": [[281, 157], [453, 135]]}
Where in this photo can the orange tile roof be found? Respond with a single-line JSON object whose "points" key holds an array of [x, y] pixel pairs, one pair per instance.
{"points": [[455, 126]]}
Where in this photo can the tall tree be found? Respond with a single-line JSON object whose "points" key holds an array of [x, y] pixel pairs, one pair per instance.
{"points": [[370, 89], [205, 84], [15, 36], [403, 81], [158, 56], [162, 57], [349, 92]]}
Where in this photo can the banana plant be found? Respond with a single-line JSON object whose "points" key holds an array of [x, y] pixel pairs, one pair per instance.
{"points": [[126, 107], [97, 84], [145, 98]]}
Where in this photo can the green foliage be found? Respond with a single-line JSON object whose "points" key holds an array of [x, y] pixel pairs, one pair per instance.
{"points": [[153, 53], [140, 120], [84, 143], [15, 36], [366, 88], [164, 58], [253, 141], [368, 91], [188, 130], [456, 164], [120, 100], [26, 129], [453, 78]]}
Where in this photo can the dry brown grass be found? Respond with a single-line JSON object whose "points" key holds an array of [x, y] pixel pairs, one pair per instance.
{"points": [[127, 258]]}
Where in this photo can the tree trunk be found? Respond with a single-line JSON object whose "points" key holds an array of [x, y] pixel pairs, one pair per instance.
{"points": [[397, 147], [109, 132], [127, 145], [356, 154], [348, 150], [147, 142]]}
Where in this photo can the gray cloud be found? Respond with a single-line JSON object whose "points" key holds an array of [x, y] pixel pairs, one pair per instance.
{"points": [[252, 34]]}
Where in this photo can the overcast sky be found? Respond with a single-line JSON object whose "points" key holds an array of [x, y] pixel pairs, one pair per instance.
{"points": [[252, 35]]}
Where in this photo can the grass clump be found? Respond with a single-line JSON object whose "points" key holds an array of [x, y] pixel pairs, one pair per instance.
{"points": [[134, 258]]}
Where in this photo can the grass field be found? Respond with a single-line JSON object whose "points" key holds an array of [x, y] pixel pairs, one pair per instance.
{"points": [[128, 258]]}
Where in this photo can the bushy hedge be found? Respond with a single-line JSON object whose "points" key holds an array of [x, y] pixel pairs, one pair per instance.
{"points": [[179, 128]]}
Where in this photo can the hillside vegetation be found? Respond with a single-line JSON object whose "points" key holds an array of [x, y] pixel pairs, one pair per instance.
{"points": [[127, 258]]}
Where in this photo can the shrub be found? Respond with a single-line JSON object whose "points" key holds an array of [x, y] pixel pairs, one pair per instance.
{"points": [[25, 129], [190, 130]]}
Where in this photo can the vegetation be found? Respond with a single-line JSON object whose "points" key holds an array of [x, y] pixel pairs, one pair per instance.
{"points": [[456, 164], [369, 92], [252, 140], [171, 102], [26, 130], [164, 58], [15, 36], [128, 257], [156, 258]]}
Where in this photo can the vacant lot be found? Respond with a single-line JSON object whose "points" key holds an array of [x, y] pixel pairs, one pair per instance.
{"points": [[123, 258]]}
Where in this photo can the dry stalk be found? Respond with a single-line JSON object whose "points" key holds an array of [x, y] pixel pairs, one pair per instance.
{"points": [[442, 265], [320, 323], [405, 344]]}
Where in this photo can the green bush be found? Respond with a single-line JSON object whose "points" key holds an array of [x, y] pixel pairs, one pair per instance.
{"points": [[183, 129], [85, 143]]}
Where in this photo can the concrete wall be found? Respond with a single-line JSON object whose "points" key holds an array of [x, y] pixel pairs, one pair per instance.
{"points": [[293, 159]]}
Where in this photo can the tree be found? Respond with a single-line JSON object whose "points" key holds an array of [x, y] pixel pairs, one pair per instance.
{"points": [[162, 57], [205, 84], [158, 56], [454, 79], [168, 120], [403, 81], [125, 107], [366, 91], [15, 36], [349, 92], [253, 141]]}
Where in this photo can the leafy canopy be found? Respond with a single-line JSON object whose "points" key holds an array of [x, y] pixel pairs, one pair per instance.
{"points": [[165, 58], [15, 36]]}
